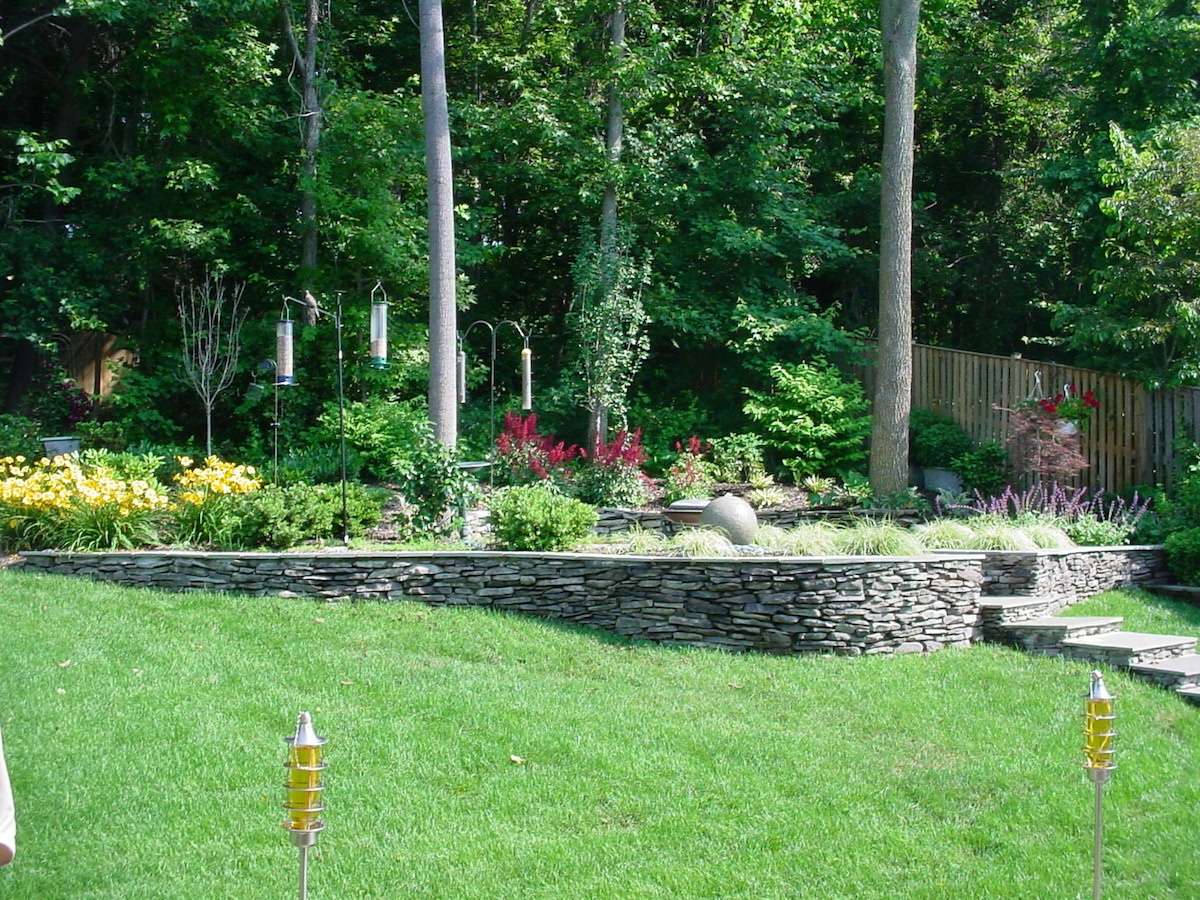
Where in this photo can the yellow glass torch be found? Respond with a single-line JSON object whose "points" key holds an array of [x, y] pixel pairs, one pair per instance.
{"points": [[1099, 752], [304, 764]]}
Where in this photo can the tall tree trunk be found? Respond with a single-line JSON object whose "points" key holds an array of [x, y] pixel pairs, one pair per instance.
{"points": [[311, 114], [613, 135], [443, 409], [893, 384]]}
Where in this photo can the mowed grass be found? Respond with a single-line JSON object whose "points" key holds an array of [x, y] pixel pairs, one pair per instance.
{"points": [[144, 729], [1145, 612]]}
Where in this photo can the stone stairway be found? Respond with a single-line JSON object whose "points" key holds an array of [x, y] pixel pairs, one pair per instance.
{"points": [[1028, 623]]}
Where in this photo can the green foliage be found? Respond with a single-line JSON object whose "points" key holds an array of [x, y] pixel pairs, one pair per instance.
{"points": [[984, 469], [936, 441], [737, 458], [909, 498], [998, 534], [766, 497], [1183, 555], [805, 539], [641, 541], [1089, 531], [1048, 536], [396, 444], [621, 487], [538, 517], [691, 476], [945, 534], [86, 527], [817, 421], [19, 436], [282, 517], [318, 464]]}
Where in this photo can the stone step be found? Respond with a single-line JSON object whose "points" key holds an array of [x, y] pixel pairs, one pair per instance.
{"points": [[1191, 694], [1126, 648], [1046, 634], [1178, 591], [1180, 672], [1000, 610]]}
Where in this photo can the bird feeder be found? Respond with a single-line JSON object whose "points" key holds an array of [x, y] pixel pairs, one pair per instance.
{"points": [[379, 314], [526, 378], [304, 789], [462, 377], [284, 373]]}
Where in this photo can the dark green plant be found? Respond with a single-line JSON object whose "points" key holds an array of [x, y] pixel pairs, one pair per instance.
{"points": [[125, 466], [737, 458], [1090, 531], [813, 418], [282, 517], [984, 469], [19, 436], [316, 465], [936, 440], [538, 517], [108, 435], [1183, 555], [909, 498]]}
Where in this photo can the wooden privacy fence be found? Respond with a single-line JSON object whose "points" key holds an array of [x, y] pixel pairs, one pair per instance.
{"points": [[1130, 440]]}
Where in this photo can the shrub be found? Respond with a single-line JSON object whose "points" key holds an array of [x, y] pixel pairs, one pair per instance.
{"points": [[281, 517], [815, 419], [611, 475], [66, 504], [984, 469], [737, 458], [909, 498], [1090, 531], [945, 534], [19, 436], [936, 440], [877, 539], [524, 456], [207, 511], [1183, 555], [700, 542], [690, 475], [319, 465], [124, 465], [539, 517]]}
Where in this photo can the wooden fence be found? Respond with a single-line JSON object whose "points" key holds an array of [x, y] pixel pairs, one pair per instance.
{"points": [[1131, 439]]}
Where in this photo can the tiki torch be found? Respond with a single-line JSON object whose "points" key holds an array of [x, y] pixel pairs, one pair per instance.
{"points": [[1099, 753], [304, 806]]}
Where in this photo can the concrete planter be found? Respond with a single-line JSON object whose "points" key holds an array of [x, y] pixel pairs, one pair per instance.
{"points": [[941, 480], [59, 446]]}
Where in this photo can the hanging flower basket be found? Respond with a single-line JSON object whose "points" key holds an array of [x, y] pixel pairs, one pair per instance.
{"points": [[1073, 410]]}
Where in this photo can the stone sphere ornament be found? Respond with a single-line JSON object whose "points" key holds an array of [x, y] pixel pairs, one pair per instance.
{"points": [[732, 515]]}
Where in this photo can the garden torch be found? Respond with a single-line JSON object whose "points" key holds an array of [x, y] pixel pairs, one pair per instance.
{"points": [[1099, 760], [304, 788]]}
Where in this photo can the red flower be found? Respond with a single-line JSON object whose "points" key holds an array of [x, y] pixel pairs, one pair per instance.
{"points": [[1089, 399], [1049, 406]]}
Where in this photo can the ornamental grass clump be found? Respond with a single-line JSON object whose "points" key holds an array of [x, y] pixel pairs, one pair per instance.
{"points": [[878, 539], [1048, 536], [806, 539], [643, 542], [945, 534], [700, 542], [999, 535], [64, 504]]}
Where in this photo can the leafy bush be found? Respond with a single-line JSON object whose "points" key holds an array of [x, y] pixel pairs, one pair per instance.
{"points": [[1183, 555], [19, 436], [109, 435], [66, 504], [125, 465], [984, 469], [1090, 531], [878, 539], [690, 475], [524, 456], [737, 458], [815, 419], [701, 542], [281, 517], [396, 443], [611, 475], [936, 440], [909, 498], [539, 517], [319, 465]]}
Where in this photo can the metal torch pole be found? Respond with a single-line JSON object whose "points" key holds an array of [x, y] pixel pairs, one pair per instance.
{"points": [[342, 420], [1098, 846], [303, 895]]}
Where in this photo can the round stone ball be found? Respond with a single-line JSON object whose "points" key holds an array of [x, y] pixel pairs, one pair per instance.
{"points": [[732, 515]]}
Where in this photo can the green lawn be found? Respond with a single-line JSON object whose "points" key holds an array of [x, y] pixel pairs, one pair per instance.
{"points": [[1143, 611], [144, 740]]}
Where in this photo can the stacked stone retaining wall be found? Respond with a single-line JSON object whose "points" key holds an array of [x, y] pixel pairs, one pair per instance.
{"points": [[844, 605], [1070, 575]]}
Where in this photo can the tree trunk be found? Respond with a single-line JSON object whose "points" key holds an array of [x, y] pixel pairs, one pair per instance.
{"points": [[614, 132], [893, 385], [208, 429], [439, 173]]}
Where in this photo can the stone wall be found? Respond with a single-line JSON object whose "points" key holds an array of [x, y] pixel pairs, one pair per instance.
{"points": [[1067, 576], [845, 605]]}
